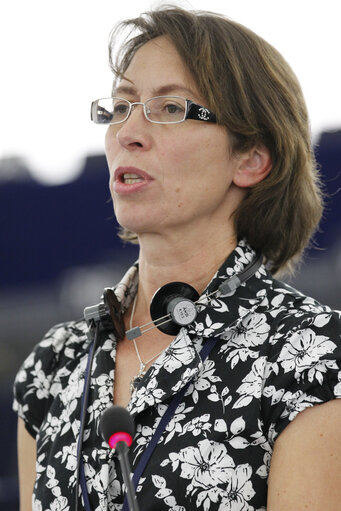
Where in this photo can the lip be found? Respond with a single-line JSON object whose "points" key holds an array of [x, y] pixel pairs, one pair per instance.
{"points": [[123, 188]]}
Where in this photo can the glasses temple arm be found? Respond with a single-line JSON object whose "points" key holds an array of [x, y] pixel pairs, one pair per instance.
{"points": [[198, 112]]}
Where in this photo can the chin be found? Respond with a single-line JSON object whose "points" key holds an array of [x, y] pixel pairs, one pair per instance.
{"points": [[133, 226], [137, 219]]}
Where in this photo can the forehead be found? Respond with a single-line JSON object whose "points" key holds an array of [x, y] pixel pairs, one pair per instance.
{"points": [[158, 67]]}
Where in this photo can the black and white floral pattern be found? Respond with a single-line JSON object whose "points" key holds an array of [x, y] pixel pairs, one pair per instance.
{"points": [[278, 353]]}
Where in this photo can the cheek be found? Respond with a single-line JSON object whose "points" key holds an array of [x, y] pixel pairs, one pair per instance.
{"points": [[202, 147], [179, 201], [202, 172], [197, 162], [172, 154], [109, 142], [110, 148]]}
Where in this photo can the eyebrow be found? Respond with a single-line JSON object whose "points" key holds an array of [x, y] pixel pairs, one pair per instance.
{"points": [[158, 91]]}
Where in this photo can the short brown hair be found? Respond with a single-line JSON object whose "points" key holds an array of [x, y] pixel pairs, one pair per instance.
{"points": [[256, 95]]}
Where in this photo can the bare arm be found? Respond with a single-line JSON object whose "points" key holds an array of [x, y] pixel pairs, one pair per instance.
{"points": [[305, 470], [27, 466]]}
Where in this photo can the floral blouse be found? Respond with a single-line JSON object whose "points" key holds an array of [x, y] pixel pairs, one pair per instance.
{"points": [[278, 353]]}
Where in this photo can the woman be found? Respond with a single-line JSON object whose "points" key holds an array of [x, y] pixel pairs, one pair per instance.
{"points": [[210, 163]]}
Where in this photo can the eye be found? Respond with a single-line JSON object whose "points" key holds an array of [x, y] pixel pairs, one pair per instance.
{"points": [[120, 108], [166, 109], [173, 108]]}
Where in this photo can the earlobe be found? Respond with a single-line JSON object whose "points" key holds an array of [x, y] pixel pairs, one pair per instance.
{"points": [[252, 166]]}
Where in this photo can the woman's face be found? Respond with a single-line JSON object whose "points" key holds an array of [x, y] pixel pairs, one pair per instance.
{"points": [[181, 173]]}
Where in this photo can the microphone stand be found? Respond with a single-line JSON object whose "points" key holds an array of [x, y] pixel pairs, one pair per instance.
{"points": [[122, 452]]}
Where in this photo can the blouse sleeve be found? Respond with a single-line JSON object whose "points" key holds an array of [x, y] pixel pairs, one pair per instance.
{"points": [[35, 385], [304, 369]]}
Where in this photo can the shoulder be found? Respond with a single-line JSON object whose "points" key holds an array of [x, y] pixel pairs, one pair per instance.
{"points": [[65, 339], [39, 378], [63, 342], [303, 354], [290, 311]]}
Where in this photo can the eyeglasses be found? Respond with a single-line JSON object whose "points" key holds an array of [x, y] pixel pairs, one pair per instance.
{"points": [[160, 109]]}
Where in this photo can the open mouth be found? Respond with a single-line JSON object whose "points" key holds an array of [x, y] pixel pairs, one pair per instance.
{"points": [[130, 179]]}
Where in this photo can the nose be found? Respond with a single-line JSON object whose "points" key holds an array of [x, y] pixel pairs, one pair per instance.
{"points": [[133, 105], [134, 133]]}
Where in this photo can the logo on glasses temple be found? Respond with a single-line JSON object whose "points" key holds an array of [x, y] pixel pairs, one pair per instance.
{"points": [[204, 114]]}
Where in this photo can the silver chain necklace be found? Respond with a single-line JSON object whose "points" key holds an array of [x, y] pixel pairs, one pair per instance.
{"points": [[143, 365]]}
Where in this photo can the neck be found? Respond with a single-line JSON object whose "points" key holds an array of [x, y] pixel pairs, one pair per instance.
{"points": [[165, 259]]}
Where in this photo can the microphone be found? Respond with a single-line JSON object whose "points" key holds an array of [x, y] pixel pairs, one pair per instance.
{"points": [[117, 428]]}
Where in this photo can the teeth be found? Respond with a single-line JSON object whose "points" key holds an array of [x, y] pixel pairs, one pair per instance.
{"points": [[127, 175], [130, 179]]}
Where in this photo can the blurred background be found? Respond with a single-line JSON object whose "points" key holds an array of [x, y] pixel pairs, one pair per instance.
{"points": [[58, 240]]}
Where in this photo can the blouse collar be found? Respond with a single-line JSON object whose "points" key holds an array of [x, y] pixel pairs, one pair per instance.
{"points": [[181, 361]]}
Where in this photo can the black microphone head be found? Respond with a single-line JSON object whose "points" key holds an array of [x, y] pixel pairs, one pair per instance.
{"points": [[116, 424]]}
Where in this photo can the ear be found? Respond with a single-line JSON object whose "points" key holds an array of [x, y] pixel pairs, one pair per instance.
{"points": [[252, 166]]}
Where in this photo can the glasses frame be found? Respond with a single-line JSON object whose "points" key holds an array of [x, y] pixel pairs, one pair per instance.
{"points": [[193, 111]]}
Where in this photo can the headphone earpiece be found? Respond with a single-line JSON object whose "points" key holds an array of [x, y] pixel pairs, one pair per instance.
{"points": [[172, 306], [108, 313], [174, 299], [114, 320]]}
